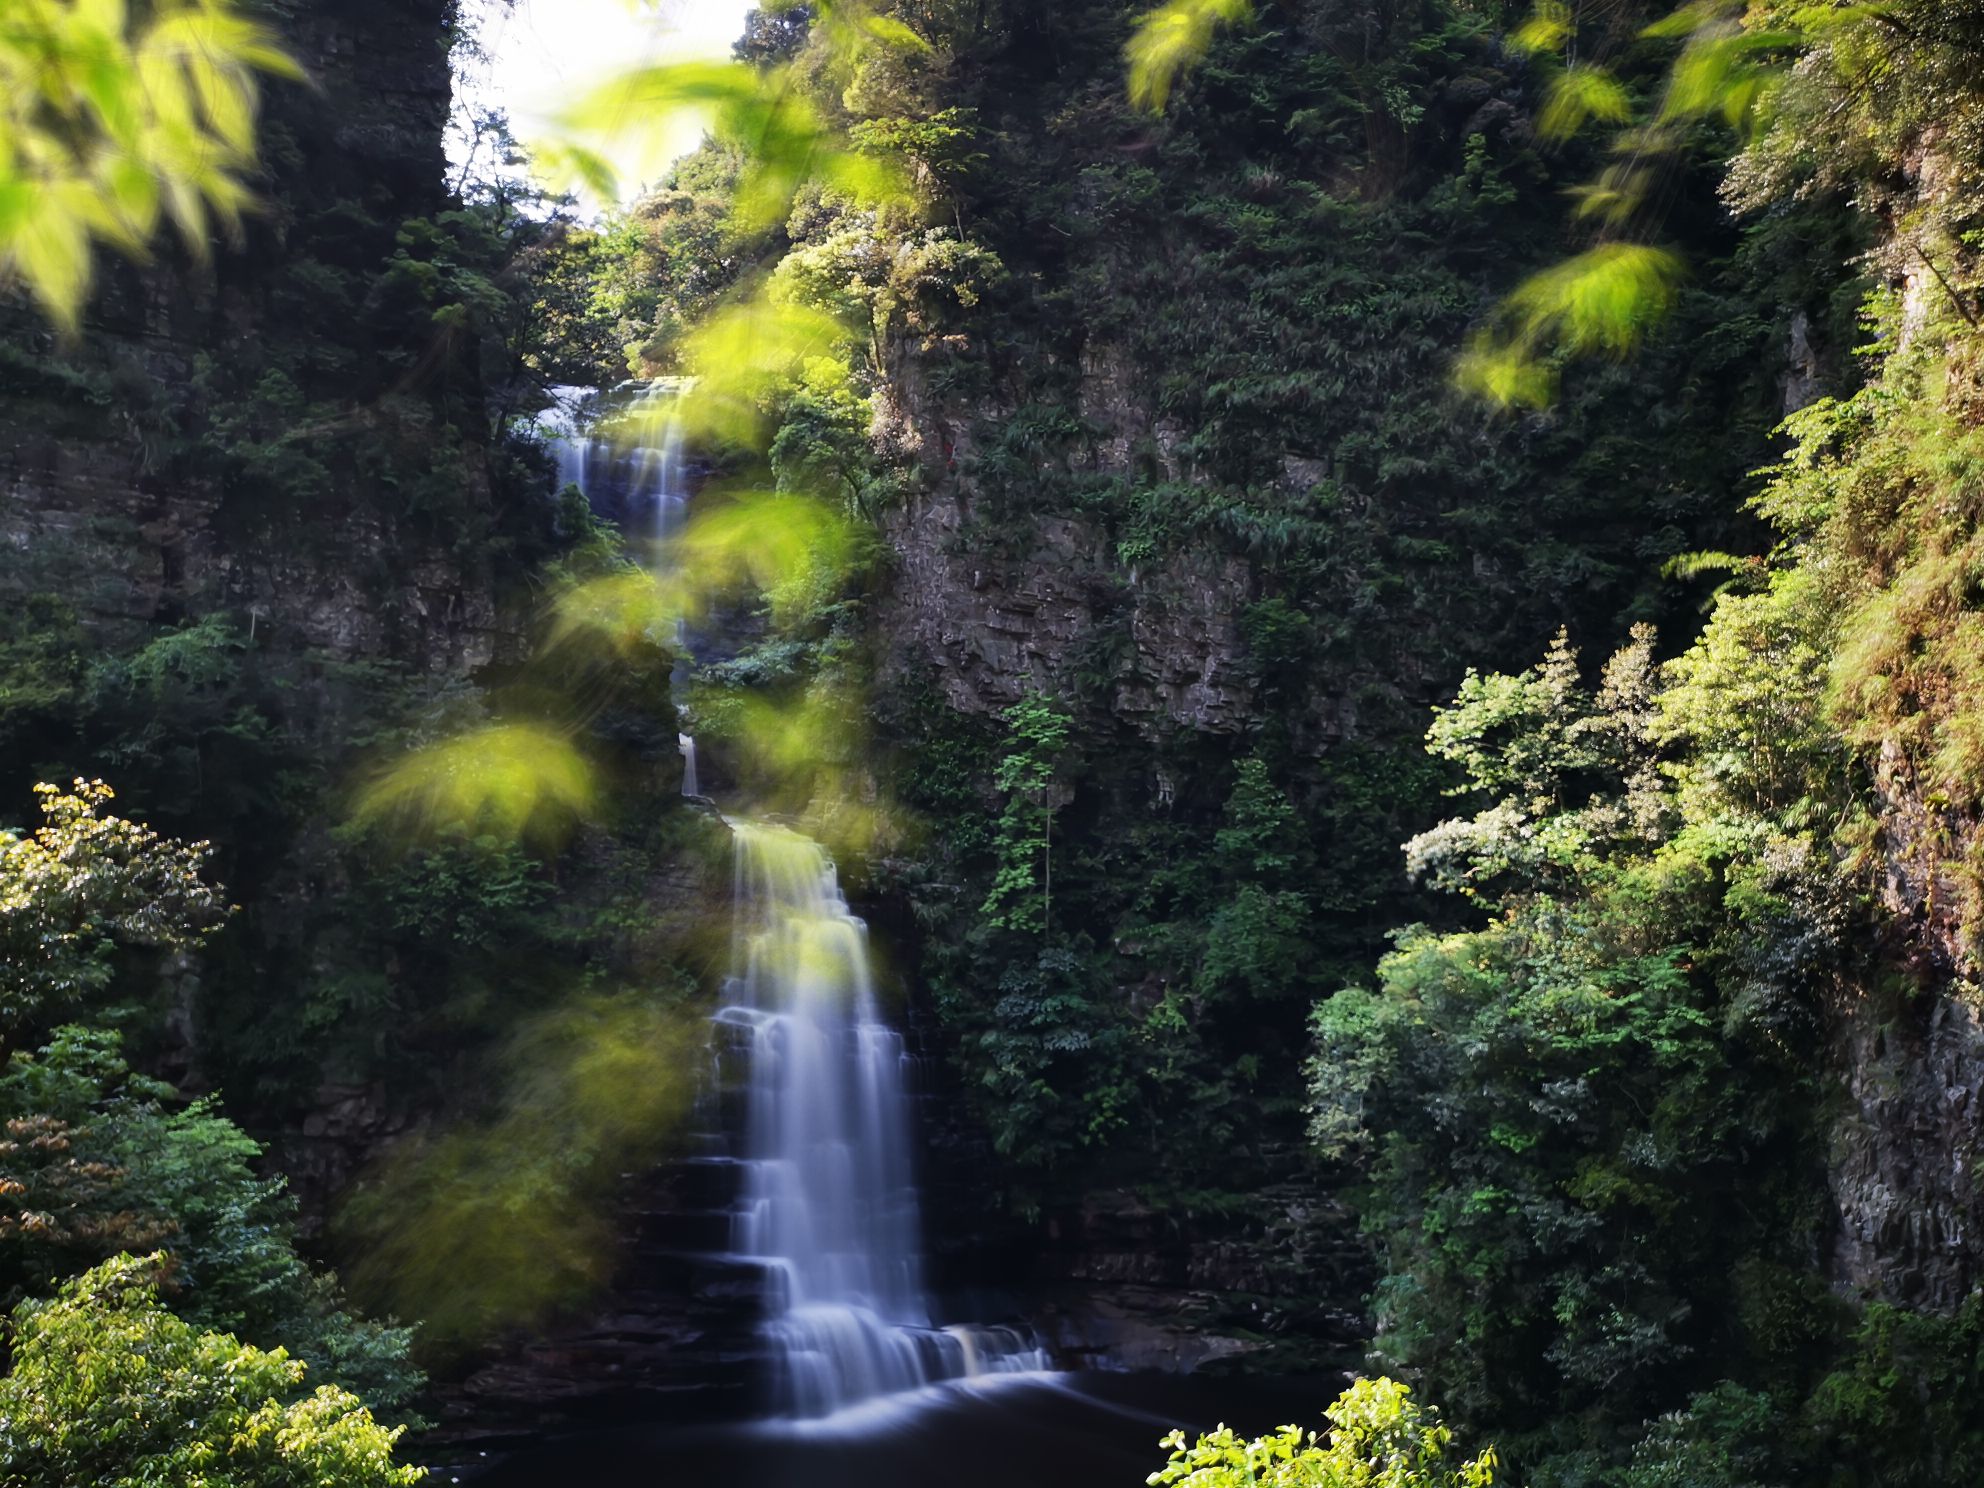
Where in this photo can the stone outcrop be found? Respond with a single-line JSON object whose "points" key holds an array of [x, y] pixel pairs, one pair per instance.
{"points": [[1906, 1148], [988, 612], [99, 500], [987, 629], [1905, 1153], [1120, 1285]]}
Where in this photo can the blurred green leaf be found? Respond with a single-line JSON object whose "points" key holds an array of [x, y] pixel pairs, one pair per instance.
{"points": [[510, 780], [1171, 40], [110, 120]]}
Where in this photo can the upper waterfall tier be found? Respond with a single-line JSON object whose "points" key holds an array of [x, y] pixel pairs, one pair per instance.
{"points": [[623, 449], [624, 452]]}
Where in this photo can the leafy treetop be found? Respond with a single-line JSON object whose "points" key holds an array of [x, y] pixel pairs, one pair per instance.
{"points": [[110, 1388], [1380, 1438], [80, 886]]}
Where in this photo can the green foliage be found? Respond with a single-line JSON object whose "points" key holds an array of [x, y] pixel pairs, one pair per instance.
{"points": [[1258, 940], [82, 887], [1022, 842], [95, 1161], [115, 117], [1727, 1437], [942, 149], [1905, 1395], [620, 295], [110, 1388], [1051, 1056], [1534, 742], [1810, 93], [1581, 1114], [1882, 487], [41, 667], [463, 893], [1379, 1437]]}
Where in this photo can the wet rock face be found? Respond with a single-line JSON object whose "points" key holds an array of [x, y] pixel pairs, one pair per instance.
{"points": [[1905, 1152], [987, 629]]}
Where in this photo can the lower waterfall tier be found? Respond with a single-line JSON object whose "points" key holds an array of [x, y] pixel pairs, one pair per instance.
{"points": [[826, 1198]]}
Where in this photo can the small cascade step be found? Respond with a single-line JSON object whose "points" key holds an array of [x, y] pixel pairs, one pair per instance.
{"points": [[692, 1230], [709, 1182]]}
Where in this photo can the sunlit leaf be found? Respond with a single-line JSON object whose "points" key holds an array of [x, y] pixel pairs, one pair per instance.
{"points": [[1578, 94], [642, 114], [790, 548], [891, 33], [1549, 26], [622, 611], [1509, 374], [1171, 40], [567, 166], [110, 120], [508, 780], [1719, 74], [744, 354], [1685, 20], [1600, 301], [493, 1226], [1618, 193]]}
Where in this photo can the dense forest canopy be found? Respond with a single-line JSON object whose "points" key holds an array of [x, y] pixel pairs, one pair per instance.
{"points": [[1380, 602]]}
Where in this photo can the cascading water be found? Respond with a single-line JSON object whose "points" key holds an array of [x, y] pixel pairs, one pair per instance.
{"points": [[686, 743], [829, 1203], [653, 420], [639, 461], [827, 1209]]}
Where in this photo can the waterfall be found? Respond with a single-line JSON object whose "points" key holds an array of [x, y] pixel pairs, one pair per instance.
{"points": [[639, 466], [826, 1207], [661, 484], [660, 492], [562, 424], [828, 1204]]}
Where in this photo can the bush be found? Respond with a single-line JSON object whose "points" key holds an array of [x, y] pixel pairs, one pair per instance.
{"points": [[111, 1389], [92, 1162], [1380, 1438]]}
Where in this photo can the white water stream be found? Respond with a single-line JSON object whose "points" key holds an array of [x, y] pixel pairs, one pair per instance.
{"points": [[829, 1202], [828, 1208], [642, 458]]}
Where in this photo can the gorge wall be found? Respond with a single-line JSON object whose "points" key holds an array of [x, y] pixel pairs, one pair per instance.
{"points": [[1195, 469], [1192, 473], [130, 464], [258, 523]]}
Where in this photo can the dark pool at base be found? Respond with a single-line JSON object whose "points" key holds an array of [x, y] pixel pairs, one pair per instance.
{"points": [[1061, 1431]]}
